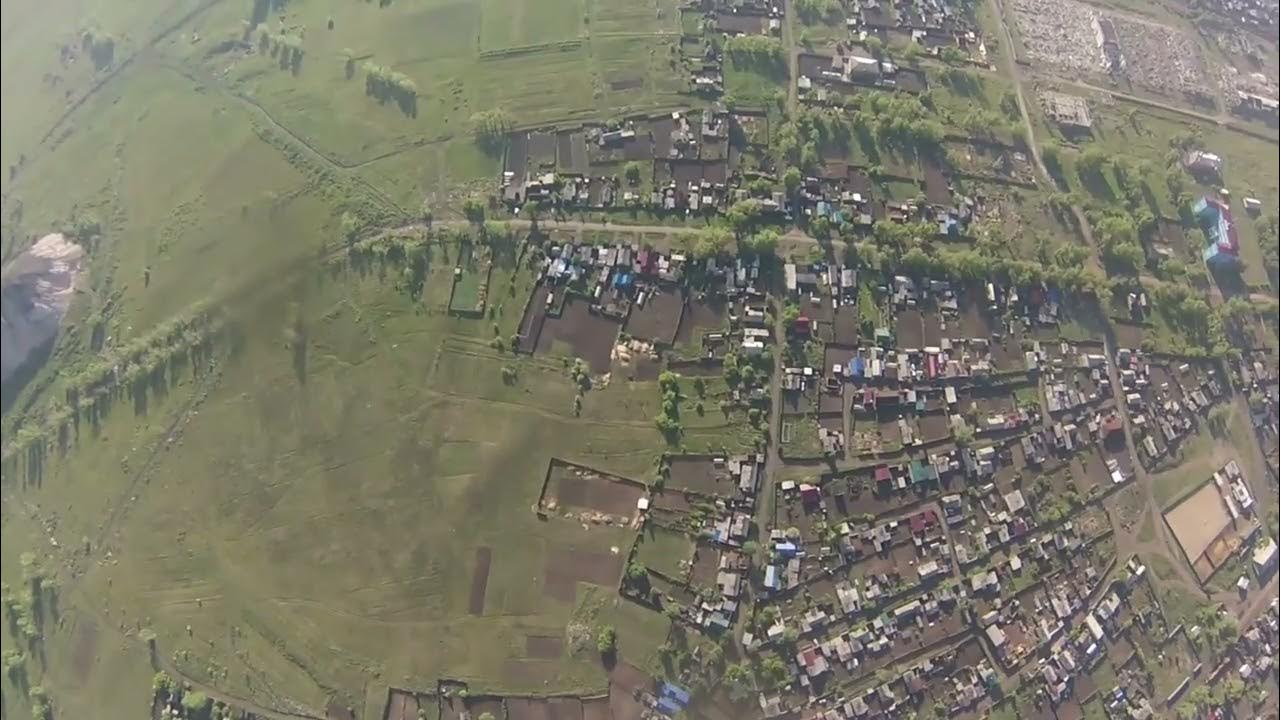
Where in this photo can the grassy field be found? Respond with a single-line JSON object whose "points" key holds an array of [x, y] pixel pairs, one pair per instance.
{"points": [[299, 519], [524, 22], [665, 551], [324, 547], [1144, 134]]}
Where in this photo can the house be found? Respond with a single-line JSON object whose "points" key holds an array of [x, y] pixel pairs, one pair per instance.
{"points": [[1222, 245], [812, 661], [1264, 558]]}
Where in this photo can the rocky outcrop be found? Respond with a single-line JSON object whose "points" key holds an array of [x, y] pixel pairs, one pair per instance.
{"points": [[35, 291]]}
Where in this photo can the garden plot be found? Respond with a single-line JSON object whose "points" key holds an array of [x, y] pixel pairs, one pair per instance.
{"points": [[580, 332], [657, 319], [701, 314], [577, 487], [666, 551], [566, 567]]}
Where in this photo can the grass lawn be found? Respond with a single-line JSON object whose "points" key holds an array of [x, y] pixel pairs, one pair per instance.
{"points": [[1200, 456], [750, 85], [868, 311], [516, 23], [665, 551], [243, 511], [1142, 133], [800, 437]]}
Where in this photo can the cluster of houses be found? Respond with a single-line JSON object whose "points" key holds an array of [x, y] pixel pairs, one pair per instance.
{"points": [[685, 160], [1073, 379], [1256, 375], [729, 530], [1077, 651], [1164, 405], [956, 687], [1053, 614], [1253, 657], [729, 18], [613, 276]]}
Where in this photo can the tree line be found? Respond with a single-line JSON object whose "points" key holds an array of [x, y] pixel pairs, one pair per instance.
{"points": [[387, 85]]}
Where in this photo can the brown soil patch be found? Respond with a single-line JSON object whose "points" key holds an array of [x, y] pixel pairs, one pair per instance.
{"points": [[535, 315], [480, 580], [659, 319], [528, 709], [588, 335], [565, 708], [909, 329], [701, 314], [402, 706], [1197, 521], [576, 487], [479, 706], [566, 568], [85, 649], [543, 647], [595, 708]]}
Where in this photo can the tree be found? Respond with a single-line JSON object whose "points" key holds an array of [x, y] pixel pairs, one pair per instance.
{"points": [[774, 672], [813, 11], [791, 180], [963, 435], [473, 209], [1051, 154], [710, 242], [1218, 419], [607, 640], [491, 127], [632, 172], [1091, 161], [738, 679], [763, 243], [197, 704], [1233, 690], [350, 226], [875, 46], [636, 571], [1201, 697]]}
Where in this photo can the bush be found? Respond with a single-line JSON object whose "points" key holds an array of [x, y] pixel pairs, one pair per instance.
{"points": [[607, 640], [197, 704]]}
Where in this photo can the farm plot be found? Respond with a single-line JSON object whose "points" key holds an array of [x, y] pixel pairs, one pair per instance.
{"points": [[701, 314], [698, 473], [470, 280], [438, 474], [658, 319], [574, 486], [579, 332], [567, 567]]}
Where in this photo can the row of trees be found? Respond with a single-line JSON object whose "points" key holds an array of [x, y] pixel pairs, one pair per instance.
{"points": [[756, 51], [491, 127], [386, 84], [284, 48], [144, 359]]}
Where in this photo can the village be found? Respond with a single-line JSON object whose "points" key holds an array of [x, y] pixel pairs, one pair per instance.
{"points": [[929, 524], [647, 360]]}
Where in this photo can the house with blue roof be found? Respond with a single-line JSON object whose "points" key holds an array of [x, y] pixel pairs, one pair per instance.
{"points": [[1222, 244]]}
